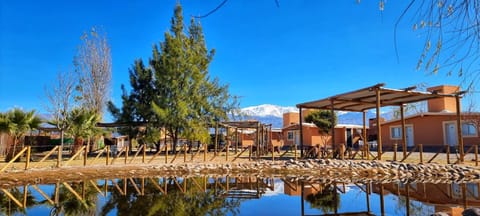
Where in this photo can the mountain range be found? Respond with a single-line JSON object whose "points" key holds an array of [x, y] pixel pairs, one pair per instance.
{"points": [[273, 114]]}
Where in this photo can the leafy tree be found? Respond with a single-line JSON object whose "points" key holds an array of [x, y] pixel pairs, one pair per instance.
{"points": [[323, 120], [93, 64], [327, 200], [194, 201], [17, 123]]}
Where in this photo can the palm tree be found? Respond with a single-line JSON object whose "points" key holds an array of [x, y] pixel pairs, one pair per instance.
{"points": [[17, 123], [82, 125], [3, 129]]}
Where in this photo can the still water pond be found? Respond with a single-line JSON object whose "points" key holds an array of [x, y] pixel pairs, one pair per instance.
{"points": [[234, 196]]}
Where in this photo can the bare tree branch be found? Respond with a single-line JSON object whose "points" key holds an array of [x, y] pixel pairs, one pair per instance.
{"points": [[93, 65]]}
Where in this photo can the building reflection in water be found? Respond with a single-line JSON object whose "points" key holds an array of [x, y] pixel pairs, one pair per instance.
{"points": [[224, 195]]}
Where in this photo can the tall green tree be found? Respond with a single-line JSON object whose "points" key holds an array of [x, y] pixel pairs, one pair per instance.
{"points": [[137, 105], [175, 91], [188, 100], [17, 123]]}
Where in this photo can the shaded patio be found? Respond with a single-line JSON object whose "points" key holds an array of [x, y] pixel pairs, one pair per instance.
{"points": [[375, 97]]}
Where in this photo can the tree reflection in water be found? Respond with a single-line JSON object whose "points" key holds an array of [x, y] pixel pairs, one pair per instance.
{"points": [[72, 205], [7, 205], [326, 199], [176, 201]]}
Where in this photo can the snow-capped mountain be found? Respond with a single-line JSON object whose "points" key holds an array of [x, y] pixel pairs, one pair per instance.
{"points": [[267, 113], [273, 114], [267, 110]]}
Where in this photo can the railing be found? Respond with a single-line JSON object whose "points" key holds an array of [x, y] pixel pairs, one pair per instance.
{"points": [[191, 155]]}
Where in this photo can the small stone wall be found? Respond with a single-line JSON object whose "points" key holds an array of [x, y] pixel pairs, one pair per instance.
{"points": [[314, 170]]}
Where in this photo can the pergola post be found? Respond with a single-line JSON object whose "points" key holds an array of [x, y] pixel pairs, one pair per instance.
{"points": [[379, 126], [215, 145], [364, 132], [333, 124], [459, 128], [404, 134], [258, 141], [301, 132]]}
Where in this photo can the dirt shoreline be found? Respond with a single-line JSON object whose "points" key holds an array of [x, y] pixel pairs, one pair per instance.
{"points": [[319, 169]]}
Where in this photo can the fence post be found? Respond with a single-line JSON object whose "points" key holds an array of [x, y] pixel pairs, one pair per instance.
{"points": [[166, 152], [85, 156], [420, 146], [184, 153], [144, 152], [250, 154], [476, 155], [295, 151], [205, 149], [126, 154], [227, 150], [273, 152], [108, 155], [27, 162], [367, 150], [59, 156], [395, 147], [448, 154]]}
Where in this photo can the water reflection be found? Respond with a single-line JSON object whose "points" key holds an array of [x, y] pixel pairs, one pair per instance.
{"points": [[226, 195]]}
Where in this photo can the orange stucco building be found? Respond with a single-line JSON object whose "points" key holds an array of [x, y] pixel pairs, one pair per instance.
{"points": [[432, 129], [448, 198], [344, 133]]}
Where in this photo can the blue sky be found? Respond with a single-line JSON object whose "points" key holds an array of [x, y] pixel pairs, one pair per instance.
{"points": [[297, 52]]}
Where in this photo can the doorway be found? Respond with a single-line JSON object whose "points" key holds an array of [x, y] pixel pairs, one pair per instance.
{"points": [[409, 133], [450, 133]]}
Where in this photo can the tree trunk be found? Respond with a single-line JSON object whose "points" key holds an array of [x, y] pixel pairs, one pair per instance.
{"points": [[175, 140], [77, 144], [12, 150]]}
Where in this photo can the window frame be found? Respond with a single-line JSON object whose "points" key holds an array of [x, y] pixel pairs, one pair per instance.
{"points": [[474, 134], [399, 132], [290, 135]]}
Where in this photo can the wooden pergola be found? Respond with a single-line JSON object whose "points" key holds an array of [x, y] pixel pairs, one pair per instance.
{"points": [[262, 132], [375, 97]]}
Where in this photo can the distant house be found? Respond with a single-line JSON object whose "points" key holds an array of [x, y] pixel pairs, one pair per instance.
{"points": [[347, 134], [435, 128]]}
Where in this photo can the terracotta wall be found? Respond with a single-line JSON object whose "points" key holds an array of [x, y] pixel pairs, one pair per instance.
{"points": [[277, 139], [290, 118], [311, 137], [442, 104], [437, 194], [427, 130]]}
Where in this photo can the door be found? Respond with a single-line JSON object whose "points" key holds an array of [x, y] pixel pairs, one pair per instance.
{"points": [[297, 138], [349, 137], [409, 133], [450, 134]]}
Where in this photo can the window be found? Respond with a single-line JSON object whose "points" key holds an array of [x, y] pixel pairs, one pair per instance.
{"points": [[396, 132], [290, 135], [469, 129]]}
